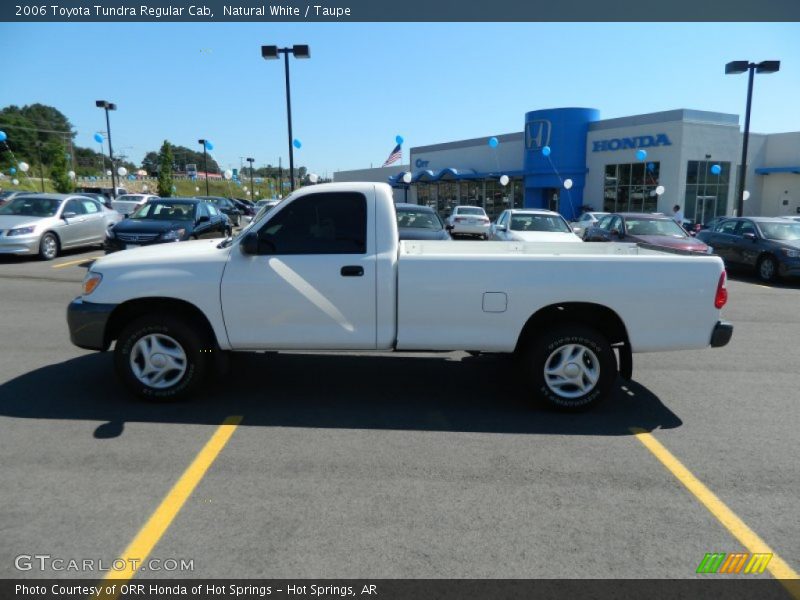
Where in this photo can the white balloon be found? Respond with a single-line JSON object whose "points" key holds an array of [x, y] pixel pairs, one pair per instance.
{"points": [[313, 177], [108, 173], [71, 174], [660, 190], [244, 187], [746, 195], [503, 179], [23, 166], [227, 174], [248, 193], [407, 178], [15, 181], [196, 189], [567, 184], [122, 171], [144, 188]]}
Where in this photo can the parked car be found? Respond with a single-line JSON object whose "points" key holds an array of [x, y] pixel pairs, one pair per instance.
{"points": [[793, 218], [644, 228], [128, 204], [263, 207], [468, 220], [585, 221], [8, 196], [418, 222], [337, 278], [710, 225], [246, 207], [532, 225], [46, 224], [168, 220], [768, 245], [101, 198], [227, 206]]}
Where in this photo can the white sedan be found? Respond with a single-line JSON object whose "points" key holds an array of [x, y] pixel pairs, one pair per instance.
{"points": [[532, 225], [586, 220], [468, 220]]}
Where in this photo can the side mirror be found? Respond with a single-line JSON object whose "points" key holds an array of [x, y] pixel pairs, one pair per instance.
{"points": [[501, 228], [203, 219], [68, 214], [749, 236], [576, 230], [249, 244]]}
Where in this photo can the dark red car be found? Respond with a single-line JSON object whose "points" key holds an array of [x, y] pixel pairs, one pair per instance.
{"points": [[646, 229]]}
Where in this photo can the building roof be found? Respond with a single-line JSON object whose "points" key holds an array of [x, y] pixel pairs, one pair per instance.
{"points": [[681, 114]]}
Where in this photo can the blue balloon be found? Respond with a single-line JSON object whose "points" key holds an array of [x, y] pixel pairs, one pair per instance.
{"points": [[12, 170], [493, 143], [296, 143], [209, 146], [3, 136], [651, 166], [546, 150], [399, 139], [716, 169], [98, 138], [641, 154]]}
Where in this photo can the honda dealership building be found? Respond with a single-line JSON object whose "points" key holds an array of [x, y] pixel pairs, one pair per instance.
{"points": [[568, 159]]}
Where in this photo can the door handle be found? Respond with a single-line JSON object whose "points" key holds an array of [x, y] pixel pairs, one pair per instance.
{"points": [[352, 271]]}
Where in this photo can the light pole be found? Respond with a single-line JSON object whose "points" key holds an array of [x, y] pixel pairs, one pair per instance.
{"points": [[735, 68], [299, 51], [252, 189], [109, 106], [205, 162]]}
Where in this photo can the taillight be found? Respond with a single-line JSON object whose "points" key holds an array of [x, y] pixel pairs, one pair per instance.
{"points": [[459, 219], [722, 293]]}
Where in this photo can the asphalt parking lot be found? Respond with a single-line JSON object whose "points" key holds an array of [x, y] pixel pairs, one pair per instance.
{"points": [[420, 466]]}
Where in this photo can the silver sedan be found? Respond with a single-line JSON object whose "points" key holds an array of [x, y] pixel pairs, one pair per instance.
{"points": [[45, 224]]}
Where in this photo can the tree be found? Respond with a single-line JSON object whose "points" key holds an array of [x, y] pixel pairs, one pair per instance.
{"points": [[166, 159], [58, 168]]}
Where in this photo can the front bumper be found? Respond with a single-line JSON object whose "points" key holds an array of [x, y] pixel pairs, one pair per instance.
{"points": [[722, 334], [87, 324], [19, 244]]}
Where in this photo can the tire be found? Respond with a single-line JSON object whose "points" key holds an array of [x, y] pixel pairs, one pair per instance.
{"points": [[177, 363], [48, 246], [767, 269], [590, 375]]}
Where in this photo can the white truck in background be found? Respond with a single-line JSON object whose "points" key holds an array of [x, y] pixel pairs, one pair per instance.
{"points": [[328, 265]]}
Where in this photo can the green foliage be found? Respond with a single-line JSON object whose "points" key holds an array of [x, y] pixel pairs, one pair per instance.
{"points": [[166, 159], [58, 168]]}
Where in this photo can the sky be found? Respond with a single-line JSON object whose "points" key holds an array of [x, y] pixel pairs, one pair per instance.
{"points": [[367, 83]]}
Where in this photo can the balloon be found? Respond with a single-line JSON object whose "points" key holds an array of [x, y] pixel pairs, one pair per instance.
{"points": [[406, 177], [297, 144], [546, 150], [108, 172], [314, 178], [12, 171], [3, 136], [145, 188], [503, 179], [567, 184], [173, 188], [716, 169], [71, 174], [122, 171], [746, 195], [660, 190], [397, 138], [15, 181], [196, 189], [651, 166], [493, 143], [209, 146], [248, 192], [23, 166], [641, 154], [227, 174], [98, 138]]}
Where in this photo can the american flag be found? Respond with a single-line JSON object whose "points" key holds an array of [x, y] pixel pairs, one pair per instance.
{"points": [[396, 155]]}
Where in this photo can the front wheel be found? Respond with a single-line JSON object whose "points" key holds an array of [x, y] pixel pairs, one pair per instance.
{"points": [[570, 367], [48, 246], [161, 358], [767, 269]]}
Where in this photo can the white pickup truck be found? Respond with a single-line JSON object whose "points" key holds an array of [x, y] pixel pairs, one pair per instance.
{"points": [[324, 270]]}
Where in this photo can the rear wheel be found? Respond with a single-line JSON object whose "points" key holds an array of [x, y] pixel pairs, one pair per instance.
{"points": [[767, 269], [48, 246], [161, 358], [570, 367]]}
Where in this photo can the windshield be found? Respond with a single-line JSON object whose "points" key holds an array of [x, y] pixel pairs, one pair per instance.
{"points": [[166, 211], [533, 222], [418, 219], [129, 198], [788, 232], [31, 207], [470, 210], [665, 227]]}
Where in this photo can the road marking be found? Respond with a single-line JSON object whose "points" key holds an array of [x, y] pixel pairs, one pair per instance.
{"points": [[74, 262], [158, 523], [746, 536]]}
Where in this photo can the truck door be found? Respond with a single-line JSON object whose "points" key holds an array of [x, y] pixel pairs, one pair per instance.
{"points": [[312, 284]]}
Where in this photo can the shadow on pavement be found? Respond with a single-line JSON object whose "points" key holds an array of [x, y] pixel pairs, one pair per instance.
{"points": [[475, 394]]}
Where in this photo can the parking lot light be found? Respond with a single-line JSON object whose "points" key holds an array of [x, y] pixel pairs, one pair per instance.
{"points": [[738, 67], [105, 104], [251, 161], [272, 53], [205, 162]]}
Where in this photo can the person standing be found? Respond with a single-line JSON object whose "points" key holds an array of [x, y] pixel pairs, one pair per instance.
{"points": [[677, 214]]}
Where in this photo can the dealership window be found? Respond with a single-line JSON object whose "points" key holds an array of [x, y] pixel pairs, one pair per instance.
{"points": [[706, 193], [631, 187]]}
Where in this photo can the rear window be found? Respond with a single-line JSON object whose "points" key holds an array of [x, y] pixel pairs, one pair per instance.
{"points": [[166, 211], [470, 210], [417, 219], [666, 227], [533, 222]]}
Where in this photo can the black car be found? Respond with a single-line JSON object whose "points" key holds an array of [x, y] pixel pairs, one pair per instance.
{"points": [[243, 205], [769, 245], [417, 222], [227, 206], [168, 220]]}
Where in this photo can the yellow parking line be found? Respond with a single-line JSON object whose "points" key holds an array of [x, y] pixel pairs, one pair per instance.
{"points": [[158, 523], [746, 536], [75, 262]]}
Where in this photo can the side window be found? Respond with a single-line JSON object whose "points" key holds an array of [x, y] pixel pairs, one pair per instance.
{"points": [[604, 223], [746, 227], [326, 223], [726, 227], [201, 210], [615, 223], [212, 209], [90, 207], [75, 206]]}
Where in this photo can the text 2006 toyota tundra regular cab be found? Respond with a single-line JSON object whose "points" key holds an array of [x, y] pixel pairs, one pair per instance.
{"points": [[324, 270]]}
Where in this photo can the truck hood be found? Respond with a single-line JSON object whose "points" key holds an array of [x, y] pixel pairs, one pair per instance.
{"points": [[176, 254], [546, 236]]}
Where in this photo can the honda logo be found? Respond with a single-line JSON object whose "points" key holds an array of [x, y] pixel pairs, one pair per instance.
{"points": [[537, 134]]}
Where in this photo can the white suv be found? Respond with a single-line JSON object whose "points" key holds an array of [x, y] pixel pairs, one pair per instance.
{"points": [[469, 220]]}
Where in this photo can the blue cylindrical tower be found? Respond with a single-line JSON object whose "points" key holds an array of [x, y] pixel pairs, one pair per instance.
{"points": [[564, 131]]}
